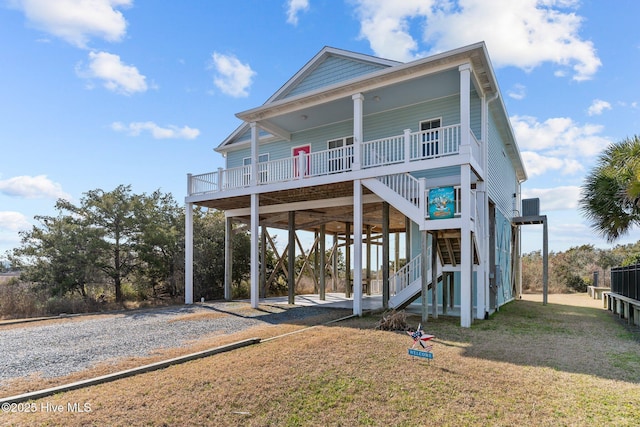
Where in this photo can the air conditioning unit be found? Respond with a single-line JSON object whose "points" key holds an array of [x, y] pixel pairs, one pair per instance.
{"points": [[531, 207]]}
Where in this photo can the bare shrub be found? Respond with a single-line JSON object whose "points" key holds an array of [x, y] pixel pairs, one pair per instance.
{"points": [[393, 321]]}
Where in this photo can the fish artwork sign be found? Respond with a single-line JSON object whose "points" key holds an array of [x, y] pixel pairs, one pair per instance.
{"points": [[442, 203]]}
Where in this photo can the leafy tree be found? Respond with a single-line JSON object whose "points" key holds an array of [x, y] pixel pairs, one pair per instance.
{"points": [[60, 254], [208, 254], [611, 192], [113, 214], [161, 242]]}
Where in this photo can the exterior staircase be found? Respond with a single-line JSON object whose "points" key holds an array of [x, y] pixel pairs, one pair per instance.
{"points": [[408, 195]]}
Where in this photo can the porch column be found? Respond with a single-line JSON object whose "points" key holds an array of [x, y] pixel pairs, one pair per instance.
{"points": [[291, 259], [254, 153], [357, 247], [255, 250], [466, 259], [385, 255], [358, 100], [188, 254], [407, 240], [465, 104], [228, 257], [323, 261]]}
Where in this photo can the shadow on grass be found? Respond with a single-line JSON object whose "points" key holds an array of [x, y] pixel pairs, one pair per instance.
{"points": [[565, 338]]}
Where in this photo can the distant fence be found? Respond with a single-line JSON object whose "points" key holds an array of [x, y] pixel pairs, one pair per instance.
{"points": [[626, 281]]}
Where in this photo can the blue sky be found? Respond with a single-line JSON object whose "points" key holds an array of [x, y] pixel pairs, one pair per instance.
{"points": [[94, 94]]}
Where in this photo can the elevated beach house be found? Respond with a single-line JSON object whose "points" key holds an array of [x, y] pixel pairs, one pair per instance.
{"points": [[354, 146]]}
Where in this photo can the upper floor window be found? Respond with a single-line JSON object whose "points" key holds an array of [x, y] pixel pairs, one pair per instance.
{"points": [[340, 159], [340, 142], [430, 136], [262, 169]]}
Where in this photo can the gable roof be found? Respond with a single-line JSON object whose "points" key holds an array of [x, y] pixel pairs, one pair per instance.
{"points": [[330, 66], [327, 67]]}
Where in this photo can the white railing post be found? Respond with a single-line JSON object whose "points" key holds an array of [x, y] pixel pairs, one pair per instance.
{"points": [[422, 189], [189, 186], [220, 179], [407, 145]]}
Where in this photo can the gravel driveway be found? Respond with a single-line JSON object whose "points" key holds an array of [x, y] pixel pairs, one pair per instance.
{"points": [[71, 345]]}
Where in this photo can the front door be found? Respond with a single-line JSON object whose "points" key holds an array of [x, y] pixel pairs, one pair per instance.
{"points": [[296, 153]]}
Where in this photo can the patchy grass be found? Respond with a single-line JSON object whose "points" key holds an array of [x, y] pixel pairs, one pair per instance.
{"points": [[527, 365]]}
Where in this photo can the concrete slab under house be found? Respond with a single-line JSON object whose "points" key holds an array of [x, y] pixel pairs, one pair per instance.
{"points": [[359, 150]]}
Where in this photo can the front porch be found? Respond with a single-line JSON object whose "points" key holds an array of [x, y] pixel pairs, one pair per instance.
{"points": [[408, 152]]}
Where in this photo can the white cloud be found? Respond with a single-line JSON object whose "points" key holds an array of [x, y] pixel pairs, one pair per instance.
{"points": [[557, 144], [386, 25], [13, 221], [523, 33], [598, 106], [232, 76], [33, 187], [76, 21], [518, 92], [294, 7], [116, 76], [559, 136], [552, 199], [169, 132], [536, 164]]}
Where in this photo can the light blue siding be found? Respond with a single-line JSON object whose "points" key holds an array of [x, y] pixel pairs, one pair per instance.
{"points": [[332, 70], [375, 126], [502, 181]]}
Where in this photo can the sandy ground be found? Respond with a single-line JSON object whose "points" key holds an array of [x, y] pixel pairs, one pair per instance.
{"points": [[579, 299]]}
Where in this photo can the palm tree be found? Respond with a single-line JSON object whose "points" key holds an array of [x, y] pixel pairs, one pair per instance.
{"points": [[611, 191]]}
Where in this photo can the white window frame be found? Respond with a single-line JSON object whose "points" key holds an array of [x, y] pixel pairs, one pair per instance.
{"points": [[336, 157], [431, 139], [262, 172]]}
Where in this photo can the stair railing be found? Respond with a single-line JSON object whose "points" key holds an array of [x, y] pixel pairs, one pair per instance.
{"points": [[410, 188], [407, 274]]}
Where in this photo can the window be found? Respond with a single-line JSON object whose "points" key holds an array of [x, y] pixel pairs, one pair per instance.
{"points": [[341, 156], [262, 169], [430, 136]]}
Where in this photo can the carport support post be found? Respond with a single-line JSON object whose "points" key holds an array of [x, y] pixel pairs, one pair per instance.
{"points": [[368, 278], [385, 255], [424, 269], [188, 254], [323, 261], [228, 257], [291, 258], [347, 260], [263, 262], [545, 261], [434, 275], [334, 261], [255, 251], [357, 247]]}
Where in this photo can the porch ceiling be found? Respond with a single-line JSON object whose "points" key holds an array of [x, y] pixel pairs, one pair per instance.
{"points": [[333, 217]]}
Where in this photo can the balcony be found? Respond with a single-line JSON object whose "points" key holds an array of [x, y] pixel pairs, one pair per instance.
{"points": [[404, 148]]}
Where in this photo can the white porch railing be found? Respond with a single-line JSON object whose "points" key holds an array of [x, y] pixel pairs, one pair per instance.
{"points": [[407, 147], [434, 143]]}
